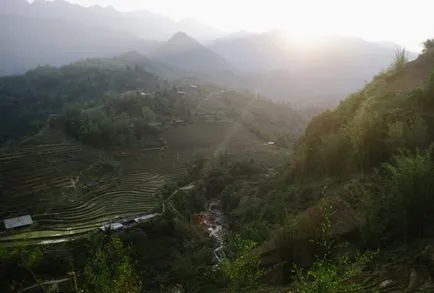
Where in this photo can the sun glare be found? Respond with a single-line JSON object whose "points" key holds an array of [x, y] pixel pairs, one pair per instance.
{"points": [[302, 37]]}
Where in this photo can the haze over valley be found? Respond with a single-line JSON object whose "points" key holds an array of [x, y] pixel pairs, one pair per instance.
{"points": [[272, 63], [216, 146]]}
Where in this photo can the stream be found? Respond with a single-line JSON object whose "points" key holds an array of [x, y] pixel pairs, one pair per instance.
{"points": [[214, 221]]}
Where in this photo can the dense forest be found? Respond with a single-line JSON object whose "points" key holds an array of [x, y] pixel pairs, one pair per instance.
{"points": [[27, 99], [128, 119], [351, 201]]}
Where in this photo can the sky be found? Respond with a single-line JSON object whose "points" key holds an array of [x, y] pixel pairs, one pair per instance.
{"points": [[407, 23]]}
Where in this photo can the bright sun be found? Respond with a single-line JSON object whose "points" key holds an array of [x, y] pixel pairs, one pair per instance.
{"points": [[303, 37]]}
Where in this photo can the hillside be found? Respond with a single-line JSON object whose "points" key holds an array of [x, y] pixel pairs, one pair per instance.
{"points": [[184, 52], [394, 106], [27, 99], [111, 135], [364, 169]]}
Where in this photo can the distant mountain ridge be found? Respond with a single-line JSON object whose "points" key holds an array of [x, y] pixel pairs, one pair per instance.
{"points": [[186, 53], [320, 72], [27, 42], [142, 24]]}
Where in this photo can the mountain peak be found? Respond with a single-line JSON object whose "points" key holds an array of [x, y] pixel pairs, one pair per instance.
{"points": [[181, 38]]}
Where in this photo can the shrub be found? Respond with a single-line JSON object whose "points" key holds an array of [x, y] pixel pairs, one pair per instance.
{"points": [[410, 192], [241, 268], [109, 268], [330, 276], [400, 208], [399, 60]]}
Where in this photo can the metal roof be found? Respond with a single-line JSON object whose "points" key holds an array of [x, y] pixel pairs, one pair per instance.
{"points": [[146, 217], [112, 226], [18, 222]]}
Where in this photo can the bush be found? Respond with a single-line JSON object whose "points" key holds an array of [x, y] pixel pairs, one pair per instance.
{"points": [[109, 268], [330, 276], [241, 269], [399, 60], [400, 209], [410, 191]]}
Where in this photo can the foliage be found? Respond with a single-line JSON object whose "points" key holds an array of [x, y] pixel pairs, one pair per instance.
{"points": [[366, 129], [428, 45], [241, 268], [45, 90], [129, 119], [401, 209], [192, 266], [329, 273], [109, 268], [330, 276], [27, 258], [399, 60]]}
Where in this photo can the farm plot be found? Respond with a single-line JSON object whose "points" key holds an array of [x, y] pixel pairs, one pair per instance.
{"points": [[212, 138], [70, 190]]}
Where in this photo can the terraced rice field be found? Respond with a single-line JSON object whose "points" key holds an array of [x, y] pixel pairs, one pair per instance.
{"points": [[70, 190]]}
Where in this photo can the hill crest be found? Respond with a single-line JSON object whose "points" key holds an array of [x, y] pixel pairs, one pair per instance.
{"points": [[185, 52]]}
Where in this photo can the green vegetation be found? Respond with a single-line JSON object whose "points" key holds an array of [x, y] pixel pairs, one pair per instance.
{"points": [[28, 99], [241, 271], [331, 276], [399, 61], [130, 119], [353, 197], [70, 189], [109, 269], [428, 45], [367, 129]]}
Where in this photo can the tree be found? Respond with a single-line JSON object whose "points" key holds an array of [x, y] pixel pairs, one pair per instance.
{"points": [[148, 114], [109, 269], [428, 45], [241, 270]]}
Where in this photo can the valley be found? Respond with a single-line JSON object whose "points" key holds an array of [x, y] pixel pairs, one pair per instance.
{"points": [[71, 189], [154, 153]]}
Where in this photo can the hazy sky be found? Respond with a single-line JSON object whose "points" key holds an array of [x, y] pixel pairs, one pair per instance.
{"points": [[405, 22]]}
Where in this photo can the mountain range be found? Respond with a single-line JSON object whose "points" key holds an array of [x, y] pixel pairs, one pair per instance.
{"points": [[273, 64], [142, 24]]}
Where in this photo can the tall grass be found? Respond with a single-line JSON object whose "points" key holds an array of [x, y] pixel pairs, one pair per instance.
{"points": [[399, 61]]}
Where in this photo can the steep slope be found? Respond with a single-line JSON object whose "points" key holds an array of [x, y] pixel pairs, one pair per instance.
{"points": [[393, 111], [360, 179], [184, 52]]}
